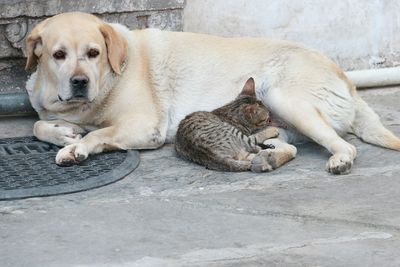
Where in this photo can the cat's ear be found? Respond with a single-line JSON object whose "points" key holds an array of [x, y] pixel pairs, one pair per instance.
{"points": [[249, 88]]}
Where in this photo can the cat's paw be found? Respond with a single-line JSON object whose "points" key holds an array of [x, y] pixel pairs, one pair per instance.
{"points": [[262, 162], [266, 146], [267, 133], [271, 132]]}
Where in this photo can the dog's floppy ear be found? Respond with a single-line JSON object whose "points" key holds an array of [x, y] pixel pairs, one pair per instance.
{"points": [[249, 88], [34, 45], [117, 47]]}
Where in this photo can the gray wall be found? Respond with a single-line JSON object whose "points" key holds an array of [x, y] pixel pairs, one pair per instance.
{"points": [[355, 33]]}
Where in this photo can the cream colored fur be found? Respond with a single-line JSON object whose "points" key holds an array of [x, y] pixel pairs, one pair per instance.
{"points": [[166, 75]]}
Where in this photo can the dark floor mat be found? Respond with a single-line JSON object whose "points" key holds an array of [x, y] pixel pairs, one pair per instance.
{"points": [[28, 169]]}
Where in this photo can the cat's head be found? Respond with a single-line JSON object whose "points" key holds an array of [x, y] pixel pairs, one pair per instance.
{"points": [[254, 113]]}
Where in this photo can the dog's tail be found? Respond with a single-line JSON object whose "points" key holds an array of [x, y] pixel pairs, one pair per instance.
{"points": [[369, 128]]}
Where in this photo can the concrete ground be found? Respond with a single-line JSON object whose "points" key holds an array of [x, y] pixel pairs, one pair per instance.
{"points": [[173, 213]]}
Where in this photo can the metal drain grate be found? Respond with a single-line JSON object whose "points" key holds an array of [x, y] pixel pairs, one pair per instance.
{"points": [[27, 169]]}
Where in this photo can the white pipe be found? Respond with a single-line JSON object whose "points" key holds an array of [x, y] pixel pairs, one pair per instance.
{"points": [[374, 77]]}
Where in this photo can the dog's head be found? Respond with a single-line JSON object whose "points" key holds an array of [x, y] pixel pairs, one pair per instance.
{"points": [[75, 52]]}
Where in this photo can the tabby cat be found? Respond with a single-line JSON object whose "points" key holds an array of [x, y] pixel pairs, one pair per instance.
{"points": [[230, 137]]}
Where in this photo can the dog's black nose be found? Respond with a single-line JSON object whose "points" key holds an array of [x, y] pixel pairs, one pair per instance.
{"points": [[79, 81], [79, 85]]}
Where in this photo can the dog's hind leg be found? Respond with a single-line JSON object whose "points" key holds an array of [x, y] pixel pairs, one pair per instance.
{"points": [[308, 120], [314, 124], [319, 130], [369, 128]]}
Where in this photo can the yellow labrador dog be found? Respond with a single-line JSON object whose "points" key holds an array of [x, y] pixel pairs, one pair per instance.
{"points": [[130, 89]]}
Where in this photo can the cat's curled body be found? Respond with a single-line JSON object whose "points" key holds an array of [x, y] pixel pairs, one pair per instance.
{"points": [[228, 138]]}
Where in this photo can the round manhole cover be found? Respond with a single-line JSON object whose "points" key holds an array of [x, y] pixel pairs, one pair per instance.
{"points": [[27, 169]]}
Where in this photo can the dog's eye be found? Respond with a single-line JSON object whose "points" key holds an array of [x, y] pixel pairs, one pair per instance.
{"points": [[59, 55], [92, 53]]}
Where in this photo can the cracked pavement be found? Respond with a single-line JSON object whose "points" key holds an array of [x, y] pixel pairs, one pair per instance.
{"points": [[169, 212]]}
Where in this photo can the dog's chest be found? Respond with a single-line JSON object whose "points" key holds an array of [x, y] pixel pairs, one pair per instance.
{"points": [[87, 117]]}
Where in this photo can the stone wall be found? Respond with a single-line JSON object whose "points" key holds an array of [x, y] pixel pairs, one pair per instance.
{"points": [[18, 17]]}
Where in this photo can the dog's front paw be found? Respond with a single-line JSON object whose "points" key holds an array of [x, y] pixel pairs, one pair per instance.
{"points": [[72, 154], [339, 164]]}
